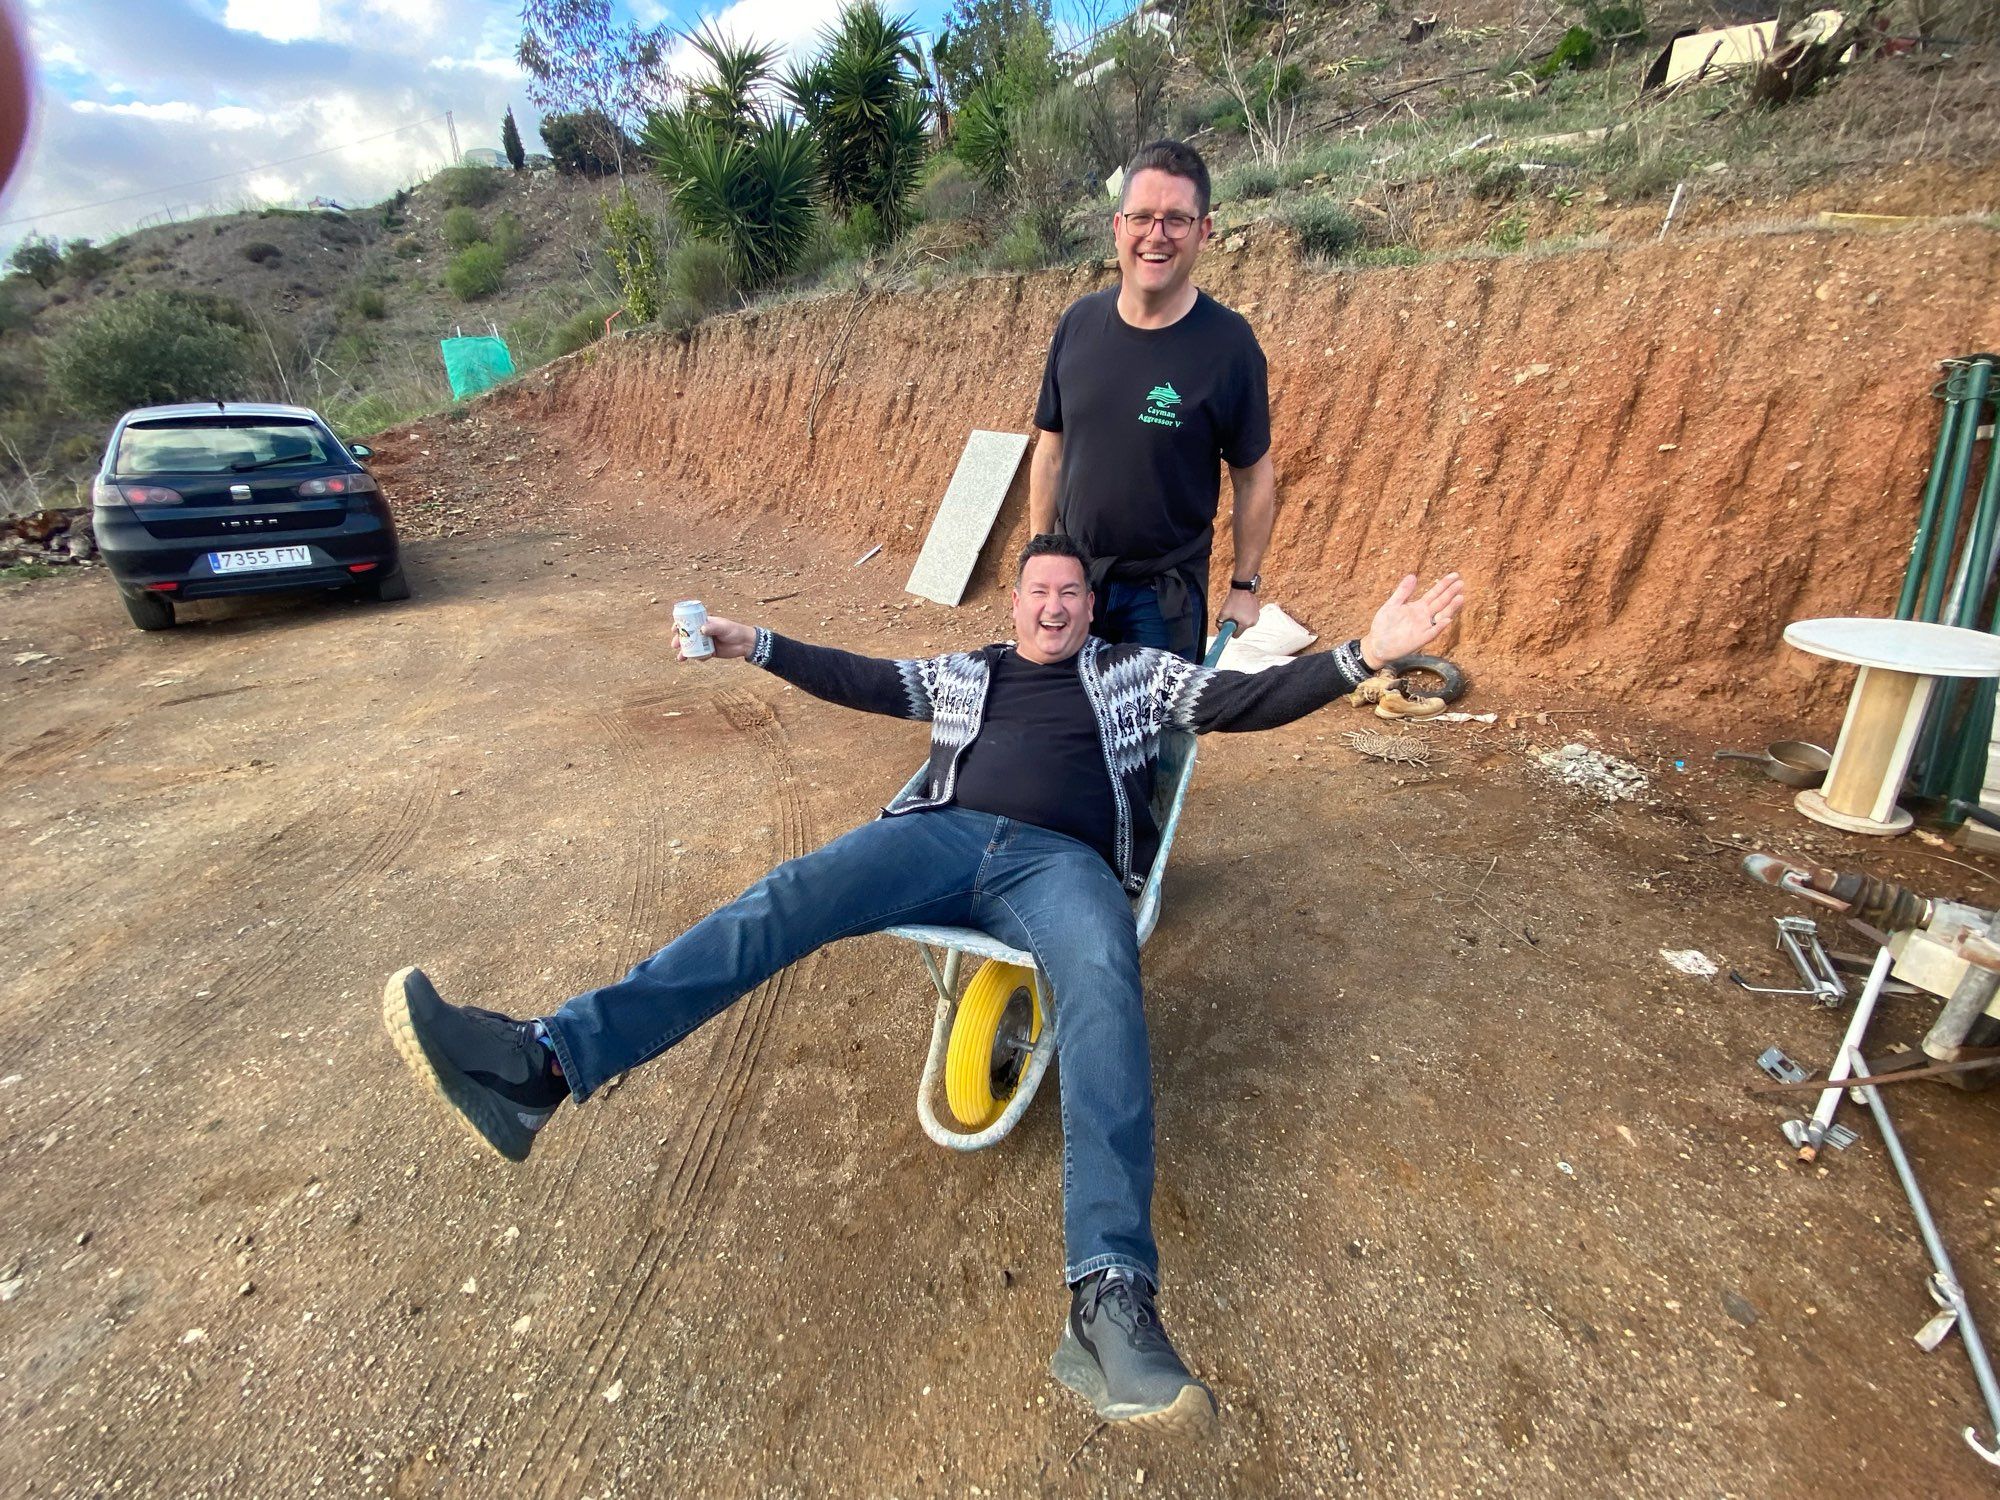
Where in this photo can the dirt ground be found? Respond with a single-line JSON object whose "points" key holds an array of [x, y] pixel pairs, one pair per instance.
{"points": [[1461, 1191]]}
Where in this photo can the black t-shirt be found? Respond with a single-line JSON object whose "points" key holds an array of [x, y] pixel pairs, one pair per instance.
{"points": [[1144, 414], [1038, 757]]}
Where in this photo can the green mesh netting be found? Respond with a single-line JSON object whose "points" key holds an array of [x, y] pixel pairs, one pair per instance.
{"points": [[474, 364]]}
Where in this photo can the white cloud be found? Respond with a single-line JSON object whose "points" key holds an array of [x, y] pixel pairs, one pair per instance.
{"points": [[279, 20], [166, 108]]}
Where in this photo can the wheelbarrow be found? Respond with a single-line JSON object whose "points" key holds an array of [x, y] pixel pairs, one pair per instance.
{"points": [[991, 1045]]}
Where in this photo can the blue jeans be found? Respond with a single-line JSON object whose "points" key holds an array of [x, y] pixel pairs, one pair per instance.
{"points": [[1129, 613], [1043, 892]]}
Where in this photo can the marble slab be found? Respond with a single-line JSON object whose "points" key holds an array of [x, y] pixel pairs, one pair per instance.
{"points": [[966, 514]]}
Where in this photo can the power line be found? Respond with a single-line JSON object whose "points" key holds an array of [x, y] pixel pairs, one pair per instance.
{"points": [[218, 177]]}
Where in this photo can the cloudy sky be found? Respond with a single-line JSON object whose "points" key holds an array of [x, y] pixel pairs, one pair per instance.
{"points": [[195, 106]]}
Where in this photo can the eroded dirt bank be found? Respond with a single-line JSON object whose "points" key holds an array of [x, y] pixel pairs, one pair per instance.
{"points": [[1646, 460]]}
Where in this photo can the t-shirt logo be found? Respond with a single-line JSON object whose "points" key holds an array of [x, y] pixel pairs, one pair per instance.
{"points": [[1160, 403]]}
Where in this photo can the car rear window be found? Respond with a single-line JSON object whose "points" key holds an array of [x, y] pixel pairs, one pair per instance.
{"points": [[212, 447]]}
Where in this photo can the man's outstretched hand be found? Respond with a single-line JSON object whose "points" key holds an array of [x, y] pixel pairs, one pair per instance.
{"points": [[731, 639], [1408, 622]]}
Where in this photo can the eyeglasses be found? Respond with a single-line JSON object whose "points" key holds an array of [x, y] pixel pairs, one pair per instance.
{"points": [[1173, 226]]}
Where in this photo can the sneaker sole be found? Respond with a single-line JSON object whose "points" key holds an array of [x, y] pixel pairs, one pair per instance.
{"points": [[1191, 1414], [476, 1108]]}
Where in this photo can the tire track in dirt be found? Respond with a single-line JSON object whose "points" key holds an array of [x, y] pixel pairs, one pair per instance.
{"points": [[682, 1188], [444, 656]]}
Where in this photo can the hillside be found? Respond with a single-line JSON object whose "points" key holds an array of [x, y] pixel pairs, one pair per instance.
{"points": [[1410, 141]]}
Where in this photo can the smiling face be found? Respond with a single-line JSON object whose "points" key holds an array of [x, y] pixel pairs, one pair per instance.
{"points": [[1155, 264], [1052, 605]]}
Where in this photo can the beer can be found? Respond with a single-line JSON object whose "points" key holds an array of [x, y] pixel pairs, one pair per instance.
{"points": [[689, 617]]}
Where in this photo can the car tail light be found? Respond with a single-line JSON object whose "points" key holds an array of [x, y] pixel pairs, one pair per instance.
{"points": [[138, 494], [361, 567], [338, 484]]}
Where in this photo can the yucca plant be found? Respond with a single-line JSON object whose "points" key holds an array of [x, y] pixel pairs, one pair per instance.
{"points": [[863, 99], [752, 194], [982, 136], [728, 99]]}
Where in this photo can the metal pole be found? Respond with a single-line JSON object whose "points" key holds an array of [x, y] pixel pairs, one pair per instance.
{"points": [[1829, 1099], [1947, 1279], [1978, 377], [1968, 589], [1920, 544]]}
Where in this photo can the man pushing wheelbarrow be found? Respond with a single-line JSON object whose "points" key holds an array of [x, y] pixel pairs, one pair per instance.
{"points": [[1031, 823]]}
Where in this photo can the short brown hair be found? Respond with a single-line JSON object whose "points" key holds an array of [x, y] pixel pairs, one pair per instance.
{"points": [[1176, 159]]}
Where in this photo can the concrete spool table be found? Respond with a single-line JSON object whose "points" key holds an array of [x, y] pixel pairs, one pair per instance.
{"points": [[1900, 661]]}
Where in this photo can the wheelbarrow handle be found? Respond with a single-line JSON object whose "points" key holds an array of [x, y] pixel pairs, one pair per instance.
{"points": [[1222, 635]]}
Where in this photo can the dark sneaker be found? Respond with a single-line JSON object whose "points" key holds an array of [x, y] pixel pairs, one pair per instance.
{"points": [[492, 1070], [1116, 1356]]}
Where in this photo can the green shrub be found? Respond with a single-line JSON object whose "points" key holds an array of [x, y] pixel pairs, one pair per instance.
{"points": [[368, 303], [468, 187], [699, 277], [1250, 179], [1326, 230], [260, 251], [83, 261], [148, 348], [475, 272], [1618, 21], [509, 238], [586, 327], [859, 235], [409, 247], [948, 195], [1576, 50], [631, 239], [15, 314], [1510, 233], [1021, 247], [461, 228]]}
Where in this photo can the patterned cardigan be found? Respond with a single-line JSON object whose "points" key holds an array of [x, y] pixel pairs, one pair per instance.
{"points": [[1135, 692]]}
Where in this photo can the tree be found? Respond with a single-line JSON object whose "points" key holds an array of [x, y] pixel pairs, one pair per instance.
{"points": [[1248, 48], [84, 261], [149, 348], [862, 97], [39, 258], [586, 144], [510, 142], [581, 61], [982, 40]]}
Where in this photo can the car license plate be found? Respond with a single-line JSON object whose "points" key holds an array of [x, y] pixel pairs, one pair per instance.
{"points": [[260, 559]]}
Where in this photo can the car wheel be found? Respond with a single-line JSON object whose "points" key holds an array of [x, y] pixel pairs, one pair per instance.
{"points": [[391, 586], [149, 611]]}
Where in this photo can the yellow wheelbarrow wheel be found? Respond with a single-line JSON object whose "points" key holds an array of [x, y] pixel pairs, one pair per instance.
{"points": [[999, 1019]]}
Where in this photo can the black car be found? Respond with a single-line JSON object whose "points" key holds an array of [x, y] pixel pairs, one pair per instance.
{"points": [[198, 502]]}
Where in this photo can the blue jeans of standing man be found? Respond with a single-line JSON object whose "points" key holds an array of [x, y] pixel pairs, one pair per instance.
{"points": [[1129, 613], [1043, 892]]}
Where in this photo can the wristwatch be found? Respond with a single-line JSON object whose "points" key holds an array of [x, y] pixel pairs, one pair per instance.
{"points": [[1251, 587]]}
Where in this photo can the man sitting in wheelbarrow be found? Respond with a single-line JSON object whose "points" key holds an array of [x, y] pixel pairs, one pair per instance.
{"points": [[1031, 824]]}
